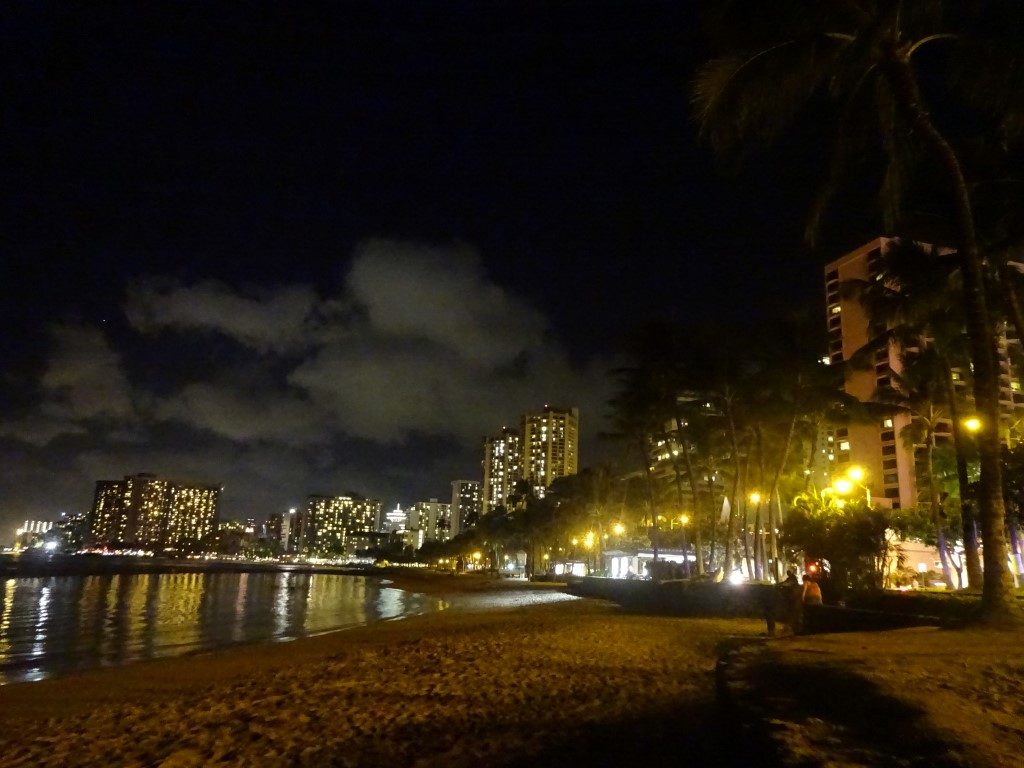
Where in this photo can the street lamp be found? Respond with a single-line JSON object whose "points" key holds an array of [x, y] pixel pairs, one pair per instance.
{"points": [[843, 486], [755, 498], [618, 529], [972, 424]]}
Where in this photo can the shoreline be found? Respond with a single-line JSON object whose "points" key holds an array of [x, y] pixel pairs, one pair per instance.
{"points": [[543, 683], [434, 593], [454, 594]]}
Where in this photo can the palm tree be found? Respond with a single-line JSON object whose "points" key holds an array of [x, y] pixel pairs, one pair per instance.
{"points": [[918, 390], [911, 305], [866, 55]]}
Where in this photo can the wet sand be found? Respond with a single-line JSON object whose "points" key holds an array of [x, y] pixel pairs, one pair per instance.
{"points": [[503, 676]]}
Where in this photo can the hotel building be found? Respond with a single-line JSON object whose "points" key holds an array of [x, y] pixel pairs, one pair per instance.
{"points": [[890, 466], [432, 518], [550, 444], [466, 505], [145, 511], [191, 515], [503, 467], [335, 525]]}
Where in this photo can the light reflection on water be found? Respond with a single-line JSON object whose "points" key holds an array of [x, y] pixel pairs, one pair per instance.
{"points": [[64, 623]]}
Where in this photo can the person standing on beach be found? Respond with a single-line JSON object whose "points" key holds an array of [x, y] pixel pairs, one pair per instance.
{"points": [[811, 592]]}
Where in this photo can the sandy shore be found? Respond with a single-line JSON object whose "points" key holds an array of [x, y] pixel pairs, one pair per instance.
{"points": [[915, 697], [537, 683]]}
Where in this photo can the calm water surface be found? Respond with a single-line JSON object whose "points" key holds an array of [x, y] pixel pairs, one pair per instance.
{"points": [[60, 624]]}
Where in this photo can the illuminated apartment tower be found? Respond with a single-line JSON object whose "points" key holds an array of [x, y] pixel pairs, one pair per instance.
{"points": [[502, 468], [106, 521], [360, 524], [878, 448], [192, 513], [550, 446], [129, 512], [433, 518], [335, 525], [466, 505], [145, 511]]}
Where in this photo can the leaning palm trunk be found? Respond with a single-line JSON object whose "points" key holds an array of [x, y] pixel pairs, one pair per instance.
{"points": [[649, 485], [678, 482], [775, 521], [812, 455], [759, 545], [730, 528], [933, 492], [691, 476], [972, 559], [997, 598], [745, 494], [1012, 299]]}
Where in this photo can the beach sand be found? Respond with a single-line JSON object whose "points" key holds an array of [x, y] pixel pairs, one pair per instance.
{"points": [[509, 674]]}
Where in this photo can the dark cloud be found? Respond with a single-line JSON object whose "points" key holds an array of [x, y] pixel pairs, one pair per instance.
{"points": [[384, 387], [83, 386]]}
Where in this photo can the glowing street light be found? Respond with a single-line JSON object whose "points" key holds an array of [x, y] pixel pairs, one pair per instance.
{"points": [[684, 519], [755, 498], [588, 540], [972, 424], [619, 529], [855, 473], [842, 486]]}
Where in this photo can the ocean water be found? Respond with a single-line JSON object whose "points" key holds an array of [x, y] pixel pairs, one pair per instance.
{"points": [[60, 624]]}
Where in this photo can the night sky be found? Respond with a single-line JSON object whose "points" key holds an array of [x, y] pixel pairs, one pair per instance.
{"points": [[294, 252]]}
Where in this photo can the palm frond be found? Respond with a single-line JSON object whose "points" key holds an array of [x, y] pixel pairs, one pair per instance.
{"points": [[755, 95]]}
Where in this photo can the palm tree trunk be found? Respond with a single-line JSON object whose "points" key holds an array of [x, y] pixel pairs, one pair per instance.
{"points": [[775, 521], [747, 556], [678, 482], [812, 455], [715, 515], [971, 557], [649, 485], [698, 542], [730, 528], [997, 596], [936, 503], [761, 555], [1012, 299]]}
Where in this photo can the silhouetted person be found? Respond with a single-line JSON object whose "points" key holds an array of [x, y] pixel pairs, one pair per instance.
{"points": [[812, 592]]}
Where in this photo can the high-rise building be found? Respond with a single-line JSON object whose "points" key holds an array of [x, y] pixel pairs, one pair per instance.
{"points": [[360, 525], [335, 525], [466, 505], [395, 521], [146, 511], [191, 515], [287, 533], [106, 521], [432, 518], [503, 466], [550, 445], [889, 464]]}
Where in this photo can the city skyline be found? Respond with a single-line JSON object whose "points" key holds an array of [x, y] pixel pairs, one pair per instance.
{"points": [[297, 292]]}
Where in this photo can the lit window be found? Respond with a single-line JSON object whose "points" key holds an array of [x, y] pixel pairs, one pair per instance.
{"points": [[836, 310], [1015, 386], [844, 445], [887, 423]]}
